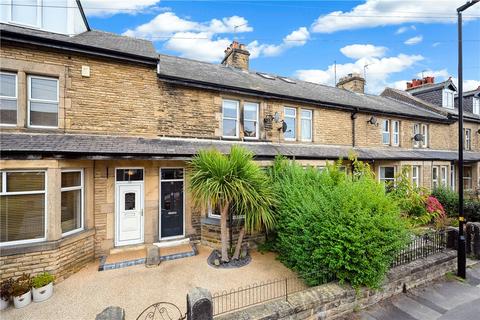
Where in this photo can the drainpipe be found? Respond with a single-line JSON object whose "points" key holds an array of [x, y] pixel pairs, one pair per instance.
{"points": [[353, 116]]}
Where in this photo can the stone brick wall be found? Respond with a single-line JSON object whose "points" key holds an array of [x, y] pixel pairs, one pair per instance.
{"points": [[210, 235], [62, 258]]}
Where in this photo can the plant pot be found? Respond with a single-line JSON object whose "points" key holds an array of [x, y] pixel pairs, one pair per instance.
{"points": [[23, 300], [4, 304], [42, 293]]}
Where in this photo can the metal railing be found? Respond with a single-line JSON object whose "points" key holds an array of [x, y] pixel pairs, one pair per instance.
{"points": [[421, 247]]}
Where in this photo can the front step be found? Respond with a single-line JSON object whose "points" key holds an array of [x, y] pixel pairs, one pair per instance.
{"points": [[133, 247], [172, 243]]}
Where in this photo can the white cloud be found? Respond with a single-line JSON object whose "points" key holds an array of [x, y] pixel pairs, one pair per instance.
{"points": [[438, 74], [414, 40], [297, 38], [374, 13], [405, 29], [109, 7], [199, 46], [357, 51], [378, 71], [467, 84]]}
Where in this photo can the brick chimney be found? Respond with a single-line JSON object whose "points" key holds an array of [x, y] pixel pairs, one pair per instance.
{"points": [[352, 82], [237, 56], [420, 82]]}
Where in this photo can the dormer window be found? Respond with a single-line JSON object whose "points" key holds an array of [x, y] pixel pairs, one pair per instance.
{"points": [[476, 105], [447, 99]]}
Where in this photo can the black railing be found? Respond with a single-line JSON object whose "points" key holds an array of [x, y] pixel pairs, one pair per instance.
{"points": [[422, 247]]}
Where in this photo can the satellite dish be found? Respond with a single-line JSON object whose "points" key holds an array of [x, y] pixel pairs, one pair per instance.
{"points": [[276, 117], [284, 126], [418, 137], [372, 120]]}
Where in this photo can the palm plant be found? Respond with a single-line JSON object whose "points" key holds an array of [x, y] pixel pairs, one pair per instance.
{"points": [[233, 180]]}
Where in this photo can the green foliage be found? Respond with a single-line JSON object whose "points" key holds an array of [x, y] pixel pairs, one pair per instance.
{"points": [[331, 223], [21, 285], [6, 288], [42, 279], [472, 210], [449, 199], [235, 179]]}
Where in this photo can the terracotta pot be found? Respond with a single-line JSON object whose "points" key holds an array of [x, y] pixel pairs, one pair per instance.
{"points": [[23, 300], [42, 293]]}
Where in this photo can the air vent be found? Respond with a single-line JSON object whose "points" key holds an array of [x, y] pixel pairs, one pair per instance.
{"points": [[286, 79], [266, 76]]}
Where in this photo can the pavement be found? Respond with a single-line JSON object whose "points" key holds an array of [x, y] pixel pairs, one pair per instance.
{"points": [[448, 299]]}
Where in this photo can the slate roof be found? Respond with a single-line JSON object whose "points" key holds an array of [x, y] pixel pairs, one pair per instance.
{"points": [[192, 72], [93, 40], [410, 99], [118, 146]]}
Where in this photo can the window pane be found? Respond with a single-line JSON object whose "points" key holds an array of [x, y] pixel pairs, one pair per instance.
{"points": [[306, 129], [8, 111], [250, 111], [24, 11], [306, 114], [57, 9], [43, 114], [25, 181], [71, 179], [289, 112], [229, 128], [386, 138], [169, 174], [250, 129], [290, 133], [230, 109], [387, 173], [8, 85], [129, 201], [71, 210], [22, 217], [44, 89], [129, 174]]}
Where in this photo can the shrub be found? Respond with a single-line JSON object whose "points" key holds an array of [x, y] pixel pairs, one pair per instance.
{"points": [[472, 210], [21, 285], [449, 200], [331, 223], [6, 288], [42, 279]]}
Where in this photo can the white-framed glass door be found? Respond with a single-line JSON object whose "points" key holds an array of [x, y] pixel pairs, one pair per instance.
{"points": [[172, 203]]}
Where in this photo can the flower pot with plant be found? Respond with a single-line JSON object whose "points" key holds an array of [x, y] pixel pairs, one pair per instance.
{"points": [[5, 293], [21, 291], [42, 286]]}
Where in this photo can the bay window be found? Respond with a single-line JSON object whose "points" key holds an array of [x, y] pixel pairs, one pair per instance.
{"points": [[386, 132], [443, 176], [22, 207], [416, 176], [387, 176], [72, 201], [42, 102], [230, 112], [434, 177], [467, 177], [250, 120], [452, 177], [8, 98], [290, 121], [306, 125]]}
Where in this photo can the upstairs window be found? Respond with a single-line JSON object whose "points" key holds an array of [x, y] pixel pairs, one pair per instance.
{"points": [[290, 120], [416, 130], [250, 120], [467, 139], [424, 143], [386, 132], [8, 98], [476, 106], [396, 133], [306, 123], [42, 102], [230, 118], [447, 99]]}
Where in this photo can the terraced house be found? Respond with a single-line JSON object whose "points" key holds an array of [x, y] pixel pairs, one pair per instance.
{"points": [[97, 129]]}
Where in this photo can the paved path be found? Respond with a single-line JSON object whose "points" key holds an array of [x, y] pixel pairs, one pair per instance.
{"points": [[445, 300]]}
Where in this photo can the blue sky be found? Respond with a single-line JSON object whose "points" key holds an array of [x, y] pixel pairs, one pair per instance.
{"points": [[302, 39]]}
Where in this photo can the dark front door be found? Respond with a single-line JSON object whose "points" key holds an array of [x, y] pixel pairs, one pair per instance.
{"points": [[171, 213]]}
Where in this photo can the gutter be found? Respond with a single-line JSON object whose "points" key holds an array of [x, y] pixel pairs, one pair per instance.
{"points": [[231, 89], [76, 48]]}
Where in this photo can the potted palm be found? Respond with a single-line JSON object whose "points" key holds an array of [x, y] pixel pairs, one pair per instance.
{"points": [[42, 286], [5, 293], [22, 291]]}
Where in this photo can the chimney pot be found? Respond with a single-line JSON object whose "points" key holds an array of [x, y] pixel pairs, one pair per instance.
{"points": [[236, 55], [352, 82]]}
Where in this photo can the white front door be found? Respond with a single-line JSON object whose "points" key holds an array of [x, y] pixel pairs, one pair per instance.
{"points": [[129, 213]]}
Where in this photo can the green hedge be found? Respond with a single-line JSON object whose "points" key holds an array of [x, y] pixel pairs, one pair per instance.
{"points": [[330, 223], [449, 200]]}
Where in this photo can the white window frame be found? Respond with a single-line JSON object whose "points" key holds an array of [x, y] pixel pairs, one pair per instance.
{"points": [[386, 122], [476, 105], [237, 129], [416, 176], [387, 179], [424, 129], [310, 119], [448, 98], [11, 99], [435, 181], [82, 200], [443, 176], [4, 192], [294, 117], [39, 22], [395, 133], [257, 123], [452, 177], [467, 139], [417, 127], [29, 98], [465, 178]]}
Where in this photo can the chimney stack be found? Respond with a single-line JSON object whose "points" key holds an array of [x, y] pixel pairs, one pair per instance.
{"points": [[352, 82], [420, 82], [237, 56]]}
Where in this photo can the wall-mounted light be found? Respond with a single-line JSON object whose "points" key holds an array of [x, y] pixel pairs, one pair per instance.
{"points": [[373, 121]]}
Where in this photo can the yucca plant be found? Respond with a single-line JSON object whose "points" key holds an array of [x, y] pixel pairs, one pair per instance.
{"points": [[236, 181]]}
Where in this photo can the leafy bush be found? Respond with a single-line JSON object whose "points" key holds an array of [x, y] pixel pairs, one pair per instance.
{"points": [[449, 200], [6, 287], [472, 210], [42, 279], [21, 285], [331, 223]]}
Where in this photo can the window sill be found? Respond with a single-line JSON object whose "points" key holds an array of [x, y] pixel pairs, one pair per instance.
{"points": [[44, 245]]}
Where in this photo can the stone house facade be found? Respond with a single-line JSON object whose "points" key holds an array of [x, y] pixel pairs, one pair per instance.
{"points": [[97, 129]]}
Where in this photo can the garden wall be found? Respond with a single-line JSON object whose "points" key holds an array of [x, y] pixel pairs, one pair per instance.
{"points": [[331, 301], [210, 234]]}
